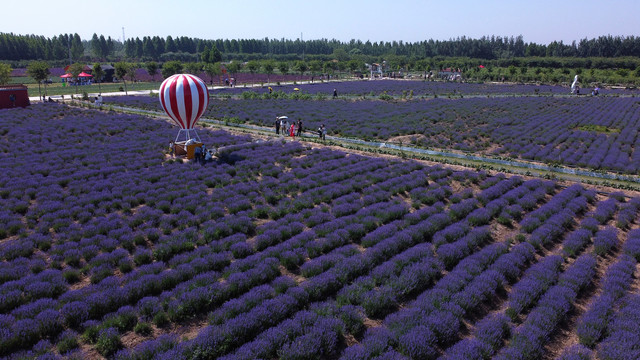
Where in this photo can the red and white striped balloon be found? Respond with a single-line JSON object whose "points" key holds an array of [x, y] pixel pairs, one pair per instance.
{"points": [[184, 98]]}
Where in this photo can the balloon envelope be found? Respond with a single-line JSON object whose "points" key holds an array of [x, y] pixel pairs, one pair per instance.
{"points": [[184, 97]]}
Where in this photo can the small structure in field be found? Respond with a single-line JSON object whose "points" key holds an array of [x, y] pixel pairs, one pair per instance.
{"points": [[12, 96]]}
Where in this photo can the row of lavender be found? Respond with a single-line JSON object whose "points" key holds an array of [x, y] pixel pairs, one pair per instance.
{"points": [[417, 89], [596, 133], [103, 243]]}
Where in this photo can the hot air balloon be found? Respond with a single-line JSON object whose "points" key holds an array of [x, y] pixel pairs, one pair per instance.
{"points": [[184, 97]]}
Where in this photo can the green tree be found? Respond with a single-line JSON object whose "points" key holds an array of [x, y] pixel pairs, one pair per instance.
{"points": [[315, 66], [353, 65], [95, 46], [215, 55], [340, 54], [152, 69], [39, 71], [98, 73], [75, 69], [329, 67], [77, 49], [233, 67], [268, 67], [193, 68], [212, 70], [131, 73], [301, 67], [253, 66], [204, 55], [5, 73], [171, 68], [122, 69], [283, 66], [341, 66]]}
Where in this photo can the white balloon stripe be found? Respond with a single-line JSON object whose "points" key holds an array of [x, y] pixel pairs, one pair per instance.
{"points": [[172, 108], [203, 96], [165, 101], [181, 111], [195, 101]]}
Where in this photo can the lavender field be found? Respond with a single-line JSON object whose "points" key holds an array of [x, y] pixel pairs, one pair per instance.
{"points": [[597, 133], [110, 248], [418, 88]]}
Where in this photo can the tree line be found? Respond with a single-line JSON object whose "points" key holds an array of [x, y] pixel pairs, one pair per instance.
{"points": [[154, 48]]}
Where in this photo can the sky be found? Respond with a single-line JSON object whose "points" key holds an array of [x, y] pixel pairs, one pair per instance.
{"points": [[539, 21]]}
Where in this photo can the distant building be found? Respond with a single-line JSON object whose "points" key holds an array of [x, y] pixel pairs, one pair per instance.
{"points": [[13, 96], [109, 72], [376, 70]]}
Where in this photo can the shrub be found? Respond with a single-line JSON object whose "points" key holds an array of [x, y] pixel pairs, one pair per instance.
{"points": [[67, 342], [143, 329], [108, 342], [605, 240], [161, 319]]}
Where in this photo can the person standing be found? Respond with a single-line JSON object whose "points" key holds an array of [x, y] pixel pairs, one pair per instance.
{"points": [[335, 93], [172, 149], [277, 126], [292, 130], [321, 132], [198, 153], [299, 127]]}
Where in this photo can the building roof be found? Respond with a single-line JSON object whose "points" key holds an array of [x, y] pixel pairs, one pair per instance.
{"points": [[103, 66], [13, 87]]}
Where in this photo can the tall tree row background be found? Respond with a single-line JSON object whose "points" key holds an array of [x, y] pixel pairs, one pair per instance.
{"points": [[622, 52]]}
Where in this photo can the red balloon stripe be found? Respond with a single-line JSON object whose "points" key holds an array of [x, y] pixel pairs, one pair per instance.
{"points": [[173, 103], [184, 98]]}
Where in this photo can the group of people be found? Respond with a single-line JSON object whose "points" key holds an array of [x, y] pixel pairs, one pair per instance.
{"points": [[295, 129], [282, 125], [203, 155]]}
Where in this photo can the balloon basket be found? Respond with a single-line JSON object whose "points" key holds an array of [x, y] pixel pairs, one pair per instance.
{"points": [[189, 150]]}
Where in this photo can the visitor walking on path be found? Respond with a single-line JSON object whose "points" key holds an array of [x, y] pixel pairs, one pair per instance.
{"points": [[277, 126], [335, 93], [321, 132], [299, 127], [292, 130], [172, 149]]}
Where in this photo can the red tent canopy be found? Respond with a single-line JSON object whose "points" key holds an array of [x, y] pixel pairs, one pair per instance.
{"points": [[84, 74], [66, 76]]}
